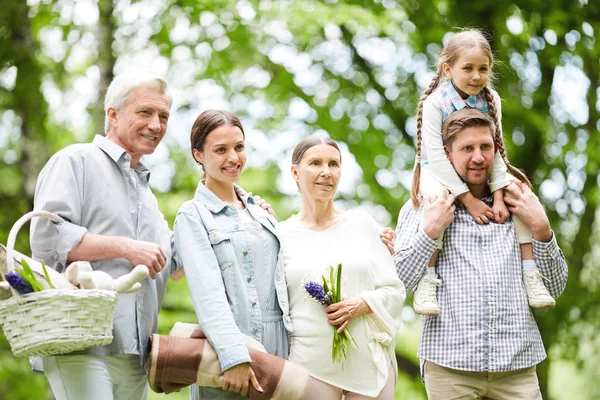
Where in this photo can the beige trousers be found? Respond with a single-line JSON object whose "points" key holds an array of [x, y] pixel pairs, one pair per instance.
{"points": [[449, 384]]}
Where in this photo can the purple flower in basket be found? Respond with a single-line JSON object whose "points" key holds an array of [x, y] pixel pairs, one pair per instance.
{"points": [[317, 293], [18, 283]]}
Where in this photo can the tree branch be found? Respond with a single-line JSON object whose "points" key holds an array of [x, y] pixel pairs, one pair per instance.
{"points": [[398, 118]]}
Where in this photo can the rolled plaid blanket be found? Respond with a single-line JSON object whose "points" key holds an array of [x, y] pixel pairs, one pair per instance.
{"points": [[187, 357]]}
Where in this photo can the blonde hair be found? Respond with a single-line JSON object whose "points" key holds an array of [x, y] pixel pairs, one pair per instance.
{"points": [[465, 40]]}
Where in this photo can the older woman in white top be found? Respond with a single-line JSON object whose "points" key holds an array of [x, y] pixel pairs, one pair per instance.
{"points": [[321, 235]]}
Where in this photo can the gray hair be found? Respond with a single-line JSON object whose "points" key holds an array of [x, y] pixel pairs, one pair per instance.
{"points": [[122, 85]]}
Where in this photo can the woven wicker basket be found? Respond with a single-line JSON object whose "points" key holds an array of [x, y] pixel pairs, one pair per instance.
{"points": [[54, 321]]}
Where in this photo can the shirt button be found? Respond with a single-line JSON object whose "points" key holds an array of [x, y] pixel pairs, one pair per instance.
{"points": [[253, 304], [133, 211], [254, 330], [249, 279], [245, 252]]}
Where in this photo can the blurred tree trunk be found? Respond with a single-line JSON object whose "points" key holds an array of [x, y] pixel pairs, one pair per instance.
{"points": [[19, 49], [26, 99], [106, 58]]}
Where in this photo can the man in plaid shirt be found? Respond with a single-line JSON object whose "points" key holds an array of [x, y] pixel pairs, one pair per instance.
{"points": [[485, 343]]}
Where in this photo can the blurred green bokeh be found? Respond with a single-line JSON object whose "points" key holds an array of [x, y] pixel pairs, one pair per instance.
{"points": [[351, 69]]}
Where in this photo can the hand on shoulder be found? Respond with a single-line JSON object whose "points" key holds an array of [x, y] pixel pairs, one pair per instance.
{"points": [[522, 202], [438, 214], [259, 201]]}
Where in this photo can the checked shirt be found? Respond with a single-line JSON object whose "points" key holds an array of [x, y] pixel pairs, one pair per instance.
{"points": [[451, 100], [485, 323]]}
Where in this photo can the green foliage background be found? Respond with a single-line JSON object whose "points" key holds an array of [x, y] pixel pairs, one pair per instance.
{"points": [[352, 69]]}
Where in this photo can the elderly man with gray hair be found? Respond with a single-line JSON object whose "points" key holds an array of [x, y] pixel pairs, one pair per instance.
{"points": [[112, 220]]}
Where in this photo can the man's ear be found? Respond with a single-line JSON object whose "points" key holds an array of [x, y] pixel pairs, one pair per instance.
{"points": [[111, 113], [448, 154]]}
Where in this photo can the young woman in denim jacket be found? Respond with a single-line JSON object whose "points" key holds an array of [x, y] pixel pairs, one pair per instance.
{"points": [[232, 258]]}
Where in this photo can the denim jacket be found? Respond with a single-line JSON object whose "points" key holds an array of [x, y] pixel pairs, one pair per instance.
{"points": [[211, 240]]}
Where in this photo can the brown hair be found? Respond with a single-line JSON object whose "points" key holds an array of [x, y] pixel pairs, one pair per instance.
{"points": [[463, 119], [464, 40], [309, 142], [207, 122], [471, 117]]}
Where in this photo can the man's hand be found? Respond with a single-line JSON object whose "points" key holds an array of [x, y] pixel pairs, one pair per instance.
{"points": [[499, 208], [437, 215], [387, 236], [177, 275], [146, 253], [237, 378], [481, 213], [343, 312], [94, 247], [259, 201], [523, 203]]}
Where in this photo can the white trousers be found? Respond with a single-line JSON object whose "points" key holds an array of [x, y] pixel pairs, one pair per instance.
{"points": [[319, 390], [93, 377]]}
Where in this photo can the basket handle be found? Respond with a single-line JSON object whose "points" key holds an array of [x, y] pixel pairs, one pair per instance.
{"points": [[12, 236]]}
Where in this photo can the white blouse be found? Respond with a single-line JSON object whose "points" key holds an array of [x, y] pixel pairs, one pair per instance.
{"points": [[369, 272]]}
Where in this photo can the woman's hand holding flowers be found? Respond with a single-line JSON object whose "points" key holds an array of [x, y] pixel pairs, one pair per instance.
{"points": [[343, 312], [329, 295]]}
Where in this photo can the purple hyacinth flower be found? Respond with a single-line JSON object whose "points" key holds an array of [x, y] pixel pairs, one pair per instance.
{"points": [[18, 283], [317, 292]]}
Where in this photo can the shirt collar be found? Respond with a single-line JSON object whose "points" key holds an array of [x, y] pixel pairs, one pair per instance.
{"points": [[458, 102], [215, 204], [120, 156]]}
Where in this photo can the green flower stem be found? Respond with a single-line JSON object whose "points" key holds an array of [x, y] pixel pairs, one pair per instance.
{"points": [[47, 276], [344, 339]]}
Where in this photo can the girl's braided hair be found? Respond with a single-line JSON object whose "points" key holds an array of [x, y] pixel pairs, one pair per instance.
{"points": [[464, 40]]}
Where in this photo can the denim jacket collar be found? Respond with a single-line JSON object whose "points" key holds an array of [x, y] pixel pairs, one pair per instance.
{"points": [[215, 204]]}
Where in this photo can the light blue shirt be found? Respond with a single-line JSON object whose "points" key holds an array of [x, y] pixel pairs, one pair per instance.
{"points": [[213, 244], [452, 101], [94, 189]]}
